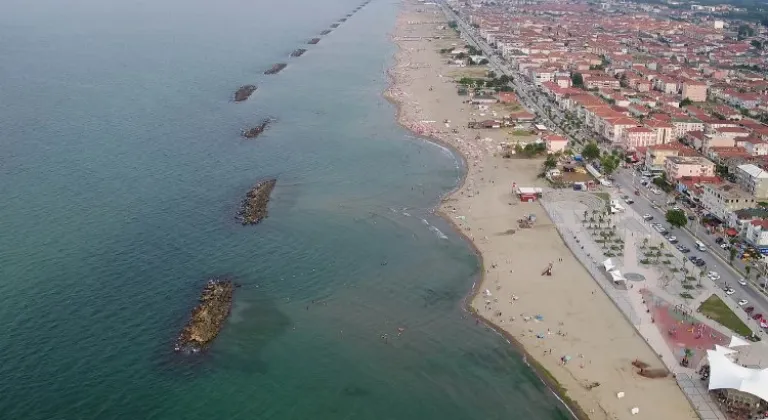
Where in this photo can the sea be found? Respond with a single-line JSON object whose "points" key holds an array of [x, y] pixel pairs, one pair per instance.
{"points": [[122, 169]]}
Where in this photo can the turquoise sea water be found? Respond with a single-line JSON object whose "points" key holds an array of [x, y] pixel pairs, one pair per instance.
{"points": [[121, 170]]}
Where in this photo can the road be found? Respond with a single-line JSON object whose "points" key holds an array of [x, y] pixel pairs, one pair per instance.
{"points": [[649, 203]]}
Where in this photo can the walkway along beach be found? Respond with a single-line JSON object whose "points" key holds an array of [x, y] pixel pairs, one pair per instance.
{"points": [[568, 328]]}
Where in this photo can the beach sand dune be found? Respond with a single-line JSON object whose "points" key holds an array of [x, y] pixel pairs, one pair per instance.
{"points": [[575, 318]]}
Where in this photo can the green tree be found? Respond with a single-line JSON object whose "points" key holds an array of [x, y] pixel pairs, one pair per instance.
{"points": [[747, 269], [757, 44], [550, 162], [577, 80], [591, 151], [676, 218], [609, 164], [685, 102], [732, 255]]}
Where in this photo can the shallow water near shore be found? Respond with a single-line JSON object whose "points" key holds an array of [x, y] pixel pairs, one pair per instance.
{"points": [[122, 170]]}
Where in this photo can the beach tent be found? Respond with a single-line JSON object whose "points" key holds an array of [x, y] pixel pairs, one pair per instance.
{"points": [[608, 264], [737, 342], [616, 276], [724, 374]]}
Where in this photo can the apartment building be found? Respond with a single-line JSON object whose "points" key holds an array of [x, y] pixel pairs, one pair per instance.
{"points": [[684, 125], [676, 167], [634, 137], [721, 200], [695, 91], [753, 180], [757, 234]]}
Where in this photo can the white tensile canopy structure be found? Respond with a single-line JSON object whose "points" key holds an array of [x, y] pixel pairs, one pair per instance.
{"points": [[608, 264], [724, 350], [725, 374], [737, 342]]}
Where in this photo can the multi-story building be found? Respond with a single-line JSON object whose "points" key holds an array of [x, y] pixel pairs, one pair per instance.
{"points": [[695, 91], [634, 137], [691, 166], [753, 180], [555, 143], [721, 200], [757, 234], [684, 125]]}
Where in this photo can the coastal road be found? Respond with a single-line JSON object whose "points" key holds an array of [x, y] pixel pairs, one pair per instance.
{"points": [[655, 205]]}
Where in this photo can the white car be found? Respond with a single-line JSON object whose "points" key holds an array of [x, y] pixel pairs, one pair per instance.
{"points": [[730, 292], [743, 302], [725, 246], [742, 282], [655, 191], [713, 275], [672, 239], [647, 217]]}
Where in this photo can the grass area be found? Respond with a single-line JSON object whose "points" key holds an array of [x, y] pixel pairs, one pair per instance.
{"points": [[716, 310], [520, 133], [604, 196], [474, 72]]}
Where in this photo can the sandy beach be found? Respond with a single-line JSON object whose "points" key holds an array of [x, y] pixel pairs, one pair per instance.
{"points": [[566, 314]]}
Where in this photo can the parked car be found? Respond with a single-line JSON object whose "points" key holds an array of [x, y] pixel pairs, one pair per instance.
{"points": [[757, 317], [742, 282], [672, 239], [730, 292], [647, 217], [719, 240], [713, 275], [725, 246], [743, 302], [749, 309]]}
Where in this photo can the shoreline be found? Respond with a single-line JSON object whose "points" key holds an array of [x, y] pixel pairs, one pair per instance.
{"points": [[544, 375], [616, 342]]}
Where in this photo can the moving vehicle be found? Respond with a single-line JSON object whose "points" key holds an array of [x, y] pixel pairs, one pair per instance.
{"points": [[647, 217], [700, 246], [725, 246], [672, 239], [684, 249], [742, 282], [714, 275]]}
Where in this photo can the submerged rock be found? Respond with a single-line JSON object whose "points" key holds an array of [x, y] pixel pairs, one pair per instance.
{"points": [[256, 131], [325, 32], [244, 92], [298, 52], [276, 68], [254, 207], [313, 41], [335, 25], [208, 316]]}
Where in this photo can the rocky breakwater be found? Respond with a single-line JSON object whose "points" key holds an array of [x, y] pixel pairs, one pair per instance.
{"points": [[244, 92], [298, 52], [276, 68], [254, 132], [254, 207], [208, 316], [313, 41]]}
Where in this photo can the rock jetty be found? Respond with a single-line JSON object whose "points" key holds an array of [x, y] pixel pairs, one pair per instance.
{"points": [[244, 92], [276, 68], [325, 32], [256, 131], [254, 207], [313, 41], [298, 52], [208, 316]]}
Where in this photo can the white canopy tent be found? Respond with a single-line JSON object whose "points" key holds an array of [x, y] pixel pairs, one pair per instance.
{"points": [[608, 264], [737, 342], [725, 374], [724, 350], [616, 276]]}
